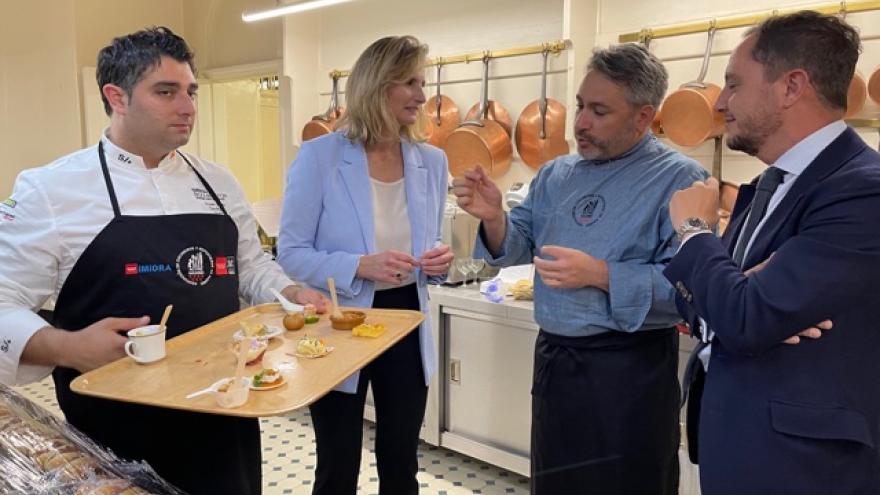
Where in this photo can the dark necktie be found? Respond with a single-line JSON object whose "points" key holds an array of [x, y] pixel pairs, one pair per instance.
{"points": [[767, 184]]}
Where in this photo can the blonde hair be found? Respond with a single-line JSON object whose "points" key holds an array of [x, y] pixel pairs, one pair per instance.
{"points": [[367, 117]]}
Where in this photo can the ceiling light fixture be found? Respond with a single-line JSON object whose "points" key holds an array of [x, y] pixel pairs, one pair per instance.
{"points": [[289, 9]]}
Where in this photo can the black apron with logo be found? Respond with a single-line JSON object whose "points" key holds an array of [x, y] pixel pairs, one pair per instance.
{"points": [[136, 266]]}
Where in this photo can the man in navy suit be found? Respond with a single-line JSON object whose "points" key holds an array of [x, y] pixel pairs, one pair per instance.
{"points": [[802, 247]]}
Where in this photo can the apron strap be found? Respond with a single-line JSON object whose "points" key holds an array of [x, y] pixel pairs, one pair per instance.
{"points": [[107, 180], [204, 183]]}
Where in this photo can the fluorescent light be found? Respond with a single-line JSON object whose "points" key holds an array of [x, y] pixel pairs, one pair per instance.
{"points": [[289, 9]]}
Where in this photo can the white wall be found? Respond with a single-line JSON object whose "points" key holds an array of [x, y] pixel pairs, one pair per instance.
{"points": [[39, 102], [334, 37]]}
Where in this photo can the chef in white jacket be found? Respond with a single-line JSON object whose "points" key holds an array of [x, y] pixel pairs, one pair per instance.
{"points": [[115, 232]]}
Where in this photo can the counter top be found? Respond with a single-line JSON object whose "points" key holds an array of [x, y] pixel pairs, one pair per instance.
{"points": [[469, 298]]}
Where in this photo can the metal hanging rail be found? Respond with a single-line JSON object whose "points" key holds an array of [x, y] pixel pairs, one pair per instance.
{"points": [[844, 7], [555, 47]]}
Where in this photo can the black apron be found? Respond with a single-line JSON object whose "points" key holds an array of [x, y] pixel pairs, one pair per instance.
{"points": [[605, 414], [136, 266]]}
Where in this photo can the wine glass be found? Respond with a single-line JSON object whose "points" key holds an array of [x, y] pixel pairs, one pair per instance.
{"points": [[476, 265], [463, 267]]}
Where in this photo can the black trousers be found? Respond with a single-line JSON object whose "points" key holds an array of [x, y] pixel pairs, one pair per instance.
{"points": [[399, 393], [605, 414]]}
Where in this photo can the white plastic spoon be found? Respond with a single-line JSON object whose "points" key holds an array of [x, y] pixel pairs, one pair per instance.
{"points": [[287, 305], [201, 392]]}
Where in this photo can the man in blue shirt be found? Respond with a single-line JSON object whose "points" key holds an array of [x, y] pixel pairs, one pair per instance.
{"points": [[605, 392]]}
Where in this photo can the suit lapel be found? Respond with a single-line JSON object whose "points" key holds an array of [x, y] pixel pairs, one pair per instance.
{"points": [[356, 177], [840, 151], [416, 182]]}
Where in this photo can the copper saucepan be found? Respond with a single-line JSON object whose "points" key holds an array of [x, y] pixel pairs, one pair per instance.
{"points": [[856, 95], [482, 141], [326, 122], [874, 86], [540, 128], [442, 115], [689, 115]]}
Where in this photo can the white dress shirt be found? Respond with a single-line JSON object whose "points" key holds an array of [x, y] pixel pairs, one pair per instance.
{"points": [[793, 162], [56, 211]]}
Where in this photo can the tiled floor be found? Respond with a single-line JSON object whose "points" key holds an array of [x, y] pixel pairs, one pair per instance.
{"points": [[289, 458]]}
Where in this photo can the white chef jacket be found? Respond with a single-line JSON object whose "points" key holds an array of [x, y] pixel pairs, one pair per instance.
{"points": [[56, 211]]}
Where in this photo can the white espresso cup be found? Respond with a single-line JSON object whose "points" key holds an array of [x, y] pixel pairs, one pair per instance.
{"points": [[146, 344]]}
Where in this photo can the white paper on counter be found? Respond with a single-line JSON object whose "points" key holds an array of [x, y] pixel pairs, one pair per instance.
{"points": [[511, 274]]}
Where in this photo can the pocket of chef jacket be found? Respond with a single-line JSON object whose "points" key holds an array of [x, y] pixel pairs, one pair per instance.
{"points": [[820, 422]]}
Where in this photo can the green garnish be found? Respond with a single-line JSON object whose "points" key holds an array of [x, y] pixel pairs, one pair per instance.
{"points": [[313, 319]]}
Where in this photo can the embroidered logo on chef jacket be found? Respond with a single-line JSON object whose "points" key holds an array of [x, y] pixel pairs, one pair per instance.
{"points": [[588, 209], [205, 197], [195, 265], [5, 346], [6, 209], [146, 268]]}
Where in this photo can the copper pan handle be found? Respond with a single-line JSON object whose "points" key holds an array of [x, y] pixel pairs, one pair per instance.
{"points": [[439, 104], [483, 112], [542, 103], [334, 100], [698, 83]]}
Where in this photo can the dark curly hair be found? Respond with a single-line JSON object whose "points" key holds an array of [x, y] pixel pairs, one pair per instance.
{"points": [[124, 61]]}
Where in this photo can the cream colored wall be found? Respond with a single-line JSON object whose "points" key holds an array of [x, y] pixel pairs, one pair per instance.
{"points": [[620, 16], [99, 21], [335, 36], [219, 37], [39, 104]]}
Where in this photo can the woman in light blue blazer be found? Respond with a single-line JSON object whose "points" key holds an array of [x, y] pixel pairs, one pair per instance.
{"points": [[364, 205]]}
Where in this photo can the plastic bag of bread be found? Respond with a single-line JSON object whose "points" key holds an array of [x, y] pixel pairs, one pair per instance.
{"points": [[523, 290], [41, 455]]}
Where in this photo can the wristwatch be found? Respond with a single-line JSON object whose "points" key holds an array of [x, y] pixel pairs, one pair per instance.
{"points": [[692, 225]]}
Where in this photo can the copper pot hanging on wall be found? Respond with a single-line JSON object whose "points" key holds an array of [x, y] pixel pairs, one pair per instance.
{"points": [[874, 86], [442, 115], [689, 117], [326, 122], [856, 95], [540, 128], [481, 141]]}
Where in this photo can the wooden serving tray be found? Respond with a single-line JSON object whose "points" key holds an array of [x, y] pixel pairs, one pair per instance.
{"points": [[202, 356]]}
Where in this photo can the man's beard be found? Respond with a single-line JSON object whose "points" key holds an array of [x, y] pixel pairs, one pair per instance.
{"points": [[754, 131], [610, 148]]}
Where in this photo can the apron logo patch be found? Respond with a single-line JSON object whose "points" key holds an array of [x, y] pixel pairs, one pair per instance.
{"points": [[141, 268], [588, 210], [224, 265], [10, 202], [195, 265]]}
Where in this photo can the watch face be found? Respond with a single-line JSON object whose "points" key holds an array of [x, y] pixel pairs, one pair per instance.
{"points": [[694, 222]]}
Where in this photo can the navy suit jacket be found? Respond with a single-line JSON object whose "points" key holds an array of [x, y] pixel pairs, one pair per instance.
{"points": [[779, 418]]}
